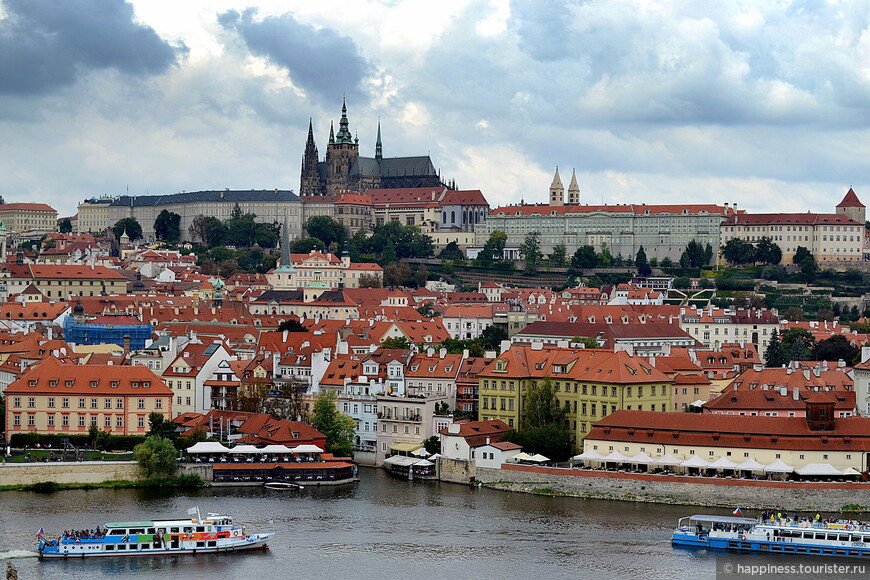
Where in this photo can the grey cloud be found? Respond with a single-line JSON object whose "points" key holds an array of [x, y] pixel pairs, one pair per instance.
{"points": [[318, 60], [46, 44]]}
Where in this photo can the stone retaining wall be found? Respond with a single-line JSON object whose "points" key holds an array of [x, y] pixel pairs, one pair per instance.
{"points": [[790, 496], [80, 472], [205, 471]]}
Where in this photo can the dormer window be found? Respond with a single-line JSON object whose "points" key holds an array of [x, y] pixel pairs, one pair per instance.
{"points": [[94, 384], [32, 383], [69, 383], [114, 384], [52, 383]]}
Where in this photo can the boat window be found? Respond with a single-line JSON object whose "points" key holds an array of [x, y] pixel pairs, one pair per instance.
{"points": [[122, 546], [187, 529], [821, 537], [110, 547], [844, 537], [173, 530], [200, 528], [200, 544], [212, 544], [149, 531], [137, 531]]}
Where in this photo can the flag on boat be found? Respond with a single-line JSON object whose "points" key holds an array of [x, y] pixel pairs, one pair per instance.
{"points": [[41, 532], [737, 512], [192, 511]]}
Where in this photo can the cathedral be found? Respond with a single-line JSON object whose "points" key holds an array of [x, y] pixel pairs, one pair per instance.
{"points": [[344, 170]]}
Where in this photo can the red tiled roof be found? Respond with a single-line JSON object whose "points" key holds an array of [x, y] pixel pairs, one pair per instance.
{"points": [[764, 219], [851, 200], [51, 369]]}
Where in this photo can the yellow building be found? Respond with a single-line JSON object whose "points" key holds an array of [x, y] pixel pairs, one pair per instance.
{"points": [[28, 217], [588, 383]]}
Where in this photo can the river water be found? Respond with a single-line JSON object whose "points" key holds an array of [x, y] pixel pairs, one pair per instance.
{"points": [[380, 527]]}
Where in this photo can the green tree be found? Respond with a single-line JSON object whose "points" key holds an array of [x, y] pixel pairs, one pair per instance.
{"points": [[586, 341], [167, 226], [129, 225], [493, 248], [198, 228], [559, 257], [158, 426], [530, 251], [696, 255], [65, 226], [305, 245], [432, 445], [767, 251], [400, 342], [641, 263], [708, 254], [291, 325], [338, 427], [389, 255], [396, 274], [451, 252], [836, 348], [604, 258], [800, 254], [809, 269], [584, 258], [156, 457], [427, 310], [421, 276], [216, 232], [797, 343], [326, 229], [491, 337], [542, 406], [774, 356], [738, 251]]}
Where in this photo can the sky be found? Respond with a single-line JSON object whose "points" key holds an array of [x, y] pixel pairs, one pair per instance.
{"points": [[763, 104]]}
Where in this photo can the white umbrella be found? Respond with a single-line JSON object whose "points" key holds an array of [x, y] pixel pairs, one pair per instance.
{"points": [[275, 448], [818, 469], [851, 471], [668, 459], [420, 452], [615, 457], [590, 455], [750, 465], [522, 457], [778, 466], [538, 458], [423, 463], [641, 458], [208, 447], [695, 461], [306, 449], [245, 449], [722, 463]]}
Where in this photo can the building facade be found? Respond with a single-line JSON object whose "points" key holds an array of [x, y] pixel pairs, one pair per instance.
{"points": [[28, 217]]}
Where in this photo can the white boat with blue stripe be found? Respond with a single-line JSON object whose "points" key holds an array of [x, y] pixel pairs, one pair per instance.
{"points": [[775, 534], [195, 535]]}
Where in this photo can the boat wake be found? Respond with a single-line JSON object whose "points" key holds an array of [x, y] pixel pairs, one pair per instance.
{"points": [[17, 554]]}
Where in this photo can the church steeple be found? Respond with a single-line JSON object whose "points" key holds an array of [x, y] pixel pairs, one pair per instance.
{"points": [[379, 150], [557, 190], [331, 134], [344, 135], [310, 181], [574, 190]]}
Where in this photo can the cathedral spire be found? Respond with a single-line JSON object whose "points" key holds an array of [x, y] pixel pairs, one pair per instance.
{"points": [[331, 134], [574, 190], [310, 141], [557, 190], [379, 150], [344, 135]]}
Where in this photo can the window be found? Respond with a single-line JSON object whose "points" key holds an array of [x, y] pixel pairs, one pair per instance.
{"points": [[107, 421], [51, 420], [64, 402], [31, 402], [51, 402], [141, 422], [158, 404], [81, 420], [108, 403], [31, 420], [16, 401], [81, 403], [64, 421], [119, 421], [119, 403], [140, 403]]}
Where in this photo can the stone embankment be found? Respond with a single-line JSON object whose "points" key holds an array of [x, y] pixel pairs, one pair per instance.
{"points": [[82, 472], [670, 489]]}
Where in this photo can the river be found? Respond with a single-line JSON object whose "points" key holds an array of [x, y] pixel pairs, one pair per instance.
{"points": [[380, 527]]}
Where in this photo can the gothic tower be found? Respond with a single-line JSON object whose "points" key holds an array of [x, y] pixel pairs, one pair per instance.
{"points": [[341, 155], [379, 148], [309, 184], [557, 191], [574, 190], [852, 207]]}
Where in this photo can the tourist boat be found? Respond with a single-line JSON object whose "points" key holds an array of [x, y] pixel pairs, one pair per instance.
{"points": [[215, 533], [281, 484], [775, 535]]}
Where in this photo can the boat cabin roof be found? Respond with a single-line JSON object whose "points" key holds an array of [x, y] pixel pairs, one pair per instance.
{"points": [[722, 519], [111, 525]]}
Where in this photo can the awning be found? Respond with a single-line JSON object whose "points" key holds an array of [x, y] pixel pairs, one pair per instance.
{"points": [[778, 466], [306, 449], [274, 448], [420, 452], [695, 461], [423, 463], [538, 458], [590, 455], [749, 465], [851, 471], [208, 447], [522, 457], [405, 447], [818, 469], [401, 460]]}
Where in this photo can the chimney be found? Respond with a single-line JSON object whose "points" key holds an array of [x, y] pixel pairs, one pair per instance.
{"points": [[442, 353], [806, 374], [453, 429], [126, 343], [430, 352], [796, 395]]}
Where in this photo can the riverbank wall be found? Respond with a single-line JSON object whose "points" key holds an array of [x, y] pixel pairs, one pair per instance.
{"points": [[670, 489], [81, 472]]}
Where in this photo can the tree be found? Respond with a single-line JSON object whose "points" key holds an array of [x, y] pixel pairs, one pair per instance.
{"points": [[216, 232], [809, 269], [640, 261], [774, 356], [604, 258], [432, 445], [559, 257], [544, 428], [767, 251], [584, 257], [427, 310], [286, 399], [305, 245], [291, 325], [708, 254], [530, 251], [65, 226], [493, 248], [369, 281], [667, 262], [738, 251], [158, 426], [836, 348], [167, 226], [156, 457], [400, 342], [338, 428], [800, 254], [421, 276], [451, 252], [793, 314], [696, 255], [491, 337], [326, 229], [396, 273], [129, 225], [542, 406], [389, 255], [198, 228], [797, 343], [586, 341]]}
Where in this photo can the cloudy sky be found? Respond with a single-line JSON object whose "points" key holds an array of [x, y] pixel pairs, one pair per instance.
{"points": [[766, 104]]}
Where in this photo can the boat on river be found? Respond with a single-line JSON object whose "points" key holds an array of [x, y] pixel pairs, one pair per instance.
{"points": [[281, 484], [194, 535], [775, 534]]}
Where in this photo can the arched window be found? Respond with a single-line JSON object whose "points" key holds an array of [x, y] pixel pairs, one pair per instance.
{"points": [[452, 217], [444, 218]]}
